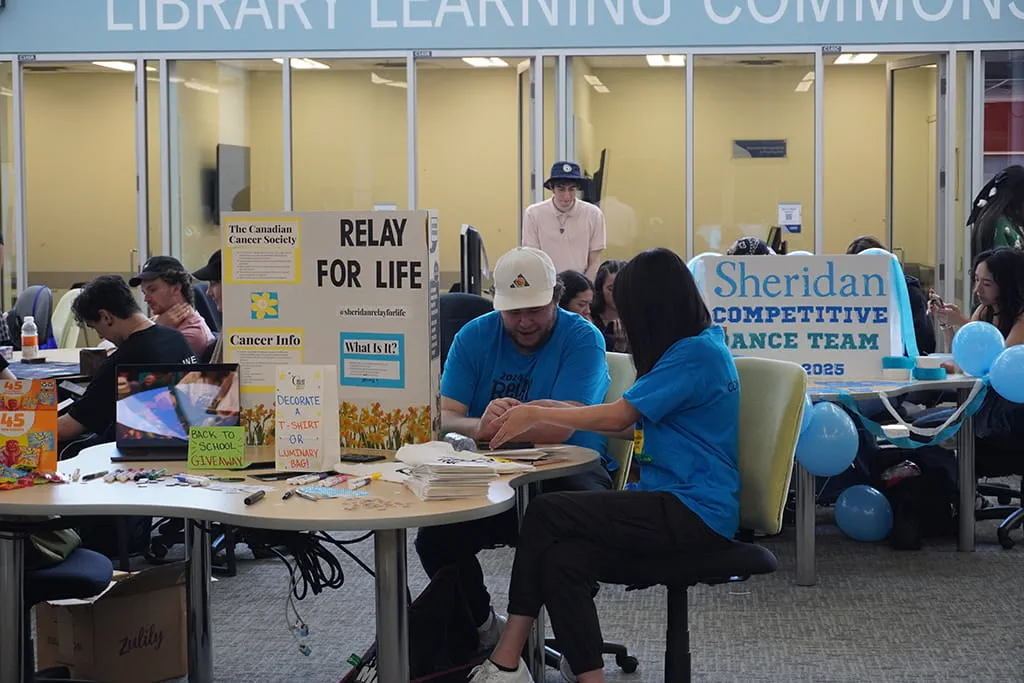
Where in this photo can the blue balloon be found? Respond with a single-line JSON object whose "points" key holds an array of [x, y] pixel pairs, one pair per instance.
{"points": [[808, 414], [877, 250], [698, 258], [1007, 374], [976, 346], [864, 514], [829, 444]]}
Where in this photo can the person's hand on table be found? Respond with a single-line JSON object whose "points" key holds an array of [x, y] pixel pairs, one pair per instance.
{"points": [[950, 367], [513, 423], [495, 409]]}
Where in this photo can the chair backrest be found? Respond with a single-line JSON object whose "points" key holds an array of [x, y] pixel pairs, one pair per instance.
{"points": [[457, 309], [65, 328], [36, 301], [771, 408], [623, 374]]}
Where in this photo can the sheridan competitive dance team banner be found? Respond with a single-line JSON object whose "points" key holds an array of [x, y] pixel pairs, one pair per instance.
{"points": [[359, 291], [834, 315]]}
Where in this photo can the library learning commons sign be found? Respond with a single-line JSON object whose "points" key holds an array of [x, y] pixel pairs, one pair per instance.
{"points": [[29, 28]]}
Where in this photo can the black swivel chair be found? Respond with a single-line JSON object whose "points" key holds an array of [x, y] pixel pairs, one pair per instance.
{"points": [[457, 309], [82, 575]]}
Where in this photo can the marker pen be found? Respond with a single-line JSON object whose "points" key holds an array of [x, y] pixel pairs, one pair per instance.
{"points": [[287, 495], [255, 497], [363, 481], [307, 496], [94, 475]]}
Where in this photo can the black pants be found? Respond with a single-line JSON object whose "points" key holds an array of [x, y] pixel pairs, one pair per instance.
{"points": [[458, 544], [571, 541]]}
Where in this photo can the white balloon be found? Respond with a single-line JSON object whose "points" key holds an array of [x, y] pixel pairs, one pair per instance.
{"points": [[799, 253]]}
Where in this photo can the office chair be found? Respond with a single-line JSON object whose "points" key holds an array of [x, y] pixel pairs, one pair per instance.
{"points": [[457, 309], [206, 308], [83, 574], [623, 374], [771, 406]]}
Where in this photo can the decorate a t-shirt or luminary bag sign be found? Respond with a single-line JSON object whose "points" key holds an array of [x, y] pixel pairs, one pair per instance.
{"points": [[837, 316]]}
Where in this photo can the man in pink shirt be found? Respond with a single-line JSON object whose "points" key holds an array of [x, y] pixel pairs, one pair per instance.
{"points": [[167, 288], [566, 228]]}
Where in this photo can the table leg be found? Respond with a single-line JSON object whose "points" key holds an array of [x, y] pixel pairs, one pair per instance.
{"points": [[805, 523], [535, 643], [392, 605], [197, 588], [12, 611], [968, 478]]}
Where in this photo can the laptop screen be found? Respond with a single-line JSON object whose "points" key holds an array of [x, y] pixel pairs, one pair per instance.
{"points": [[158, 404]]}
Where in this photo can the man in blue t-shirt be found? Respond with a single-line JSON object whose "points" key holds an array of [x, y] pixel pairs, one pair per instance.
{"points": [[527, 351]]}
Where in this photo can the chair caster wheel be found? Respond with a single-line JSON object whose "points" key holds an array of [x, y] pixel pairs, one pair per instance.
{"points": [[627, 663], [1003, 500], [1005, 540], [159, 550]]}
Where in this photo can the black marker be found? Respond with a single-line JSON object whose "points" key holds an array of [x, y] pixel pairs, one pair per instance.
{"points": [[287, 495], [94, 475], [255, 498]]}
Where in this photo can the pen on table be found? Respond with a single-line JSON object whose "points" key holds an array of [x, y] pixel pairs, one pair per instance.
{"points": [[307, 496], [363, 481], [75, 476], [255, 497], [94, 475], [287, 495]]}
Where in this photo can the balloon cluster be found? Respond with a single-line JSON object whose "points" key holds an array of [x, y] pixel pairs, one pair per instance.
{"points": [[980, 350], [827, 446]]}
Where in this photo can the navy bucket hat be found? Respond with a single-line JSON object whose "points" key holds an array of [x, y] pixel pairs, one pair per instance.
{"points": [[567, 171]]}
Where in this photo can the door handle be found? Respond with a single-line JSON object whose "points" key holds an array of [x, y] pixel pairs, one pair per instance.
{"points": [[132, 253]]}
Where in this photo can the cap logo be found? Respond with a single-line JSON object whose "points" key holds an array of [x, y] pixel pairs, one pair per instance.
{"points": [[519, 282], [567, 168]]}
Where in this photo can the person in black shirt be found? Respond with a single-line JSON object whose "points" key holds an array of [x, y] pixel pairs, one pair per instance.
{"points": [[106, 305]]}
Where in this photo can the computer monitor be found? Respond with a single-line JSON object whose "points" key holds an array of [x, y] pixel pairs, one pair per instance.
{"points": [[593, 190], [157, 404], [473, 261]]}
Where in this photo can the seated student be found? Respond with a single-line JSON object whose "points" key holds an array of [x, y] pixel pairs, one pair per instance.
{"points": [[577, 293], [211, 272], [750, 246], [688, 500], [923, 329], [603, 312], [527, 351], [168, 291], [107, 305]]}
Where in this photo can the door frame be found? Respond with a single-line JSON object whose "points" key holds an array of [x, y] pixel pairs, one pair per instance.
{"points": [[943, 213]]}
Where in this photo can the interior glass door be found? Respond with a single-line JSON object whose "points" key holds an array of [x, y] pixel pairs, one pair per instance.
{"points": [[917, 168], [529, 180]]}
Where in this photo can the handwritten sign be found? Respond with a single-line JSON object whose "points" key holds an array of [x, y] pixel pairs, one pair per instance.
{"points": [[306, 426], [216, 448], [831, 314]]}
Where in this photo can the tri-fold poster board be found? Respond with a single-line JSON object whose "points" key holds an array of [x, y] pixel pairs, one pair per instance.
{"points": [[334, 301]]}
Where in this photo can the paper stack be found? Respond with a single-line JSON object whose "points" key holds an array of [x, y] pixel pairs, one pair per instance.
{"points": [[438, 472]]}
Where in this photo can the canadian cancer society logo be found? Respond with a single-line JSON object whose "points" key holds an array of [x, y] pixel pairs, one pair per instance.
{"points": [[263, 306]]}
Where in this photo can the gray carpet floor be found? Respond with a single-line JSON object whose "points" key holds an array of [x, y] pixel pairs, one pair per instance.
{"points": [[875, 615]]}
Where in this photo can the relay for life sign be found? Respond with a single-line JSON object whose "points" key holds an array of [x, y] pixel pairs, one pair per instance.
{"points": [[834, 315], [355, 290]]}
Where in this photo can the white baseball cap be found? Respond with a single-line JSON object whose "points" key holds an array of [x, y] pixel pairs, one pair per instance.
{"points": [[523, 278]]}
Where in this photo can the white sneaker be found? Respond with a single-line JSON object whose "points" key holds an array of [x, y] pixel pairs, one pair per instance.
{"points": [[563, 668], [489, 673], [490, 631]]}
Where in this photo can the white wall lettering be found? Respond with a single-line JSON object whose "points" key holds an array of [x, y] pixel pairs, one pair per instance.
{"points": [[454, 7], [376, 21], [992, 5], [928, 16], [820, 10], [163, 23], [215, 5], [408, 21], [260, 10], [500, 6], [1015, 11], [718, 18], [666, 13], [767, 19], [296, 5]]}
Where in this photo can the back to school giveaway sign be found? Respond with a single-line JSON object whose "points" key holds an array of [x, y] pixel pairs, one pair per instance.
{"points": [[834, 315], [354, 290]]}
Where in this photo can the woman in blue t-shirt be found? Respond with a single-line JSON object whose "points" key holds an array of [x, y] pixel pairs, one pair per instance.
{"points": [[682, 414]]}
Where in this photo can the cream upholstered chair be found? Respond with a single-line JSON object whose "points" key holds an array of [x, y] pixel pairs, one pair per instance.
{"points": [[65, 328], [623, 374], [771, 408]]}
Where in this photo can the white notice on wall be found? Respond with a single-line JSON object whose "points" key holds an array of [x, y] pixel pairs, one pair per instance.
{"points": [[791, 216]]}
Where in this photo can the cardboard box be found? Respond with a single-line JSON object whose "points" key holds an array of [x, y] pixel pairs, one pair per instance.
{"points": [[134, 632]]}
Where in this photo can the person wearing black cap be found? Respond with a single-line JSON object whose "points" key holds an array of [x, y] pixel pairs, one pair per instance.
{"points": [[750, 246], [569, 230], [211, 273], [168, 292]]}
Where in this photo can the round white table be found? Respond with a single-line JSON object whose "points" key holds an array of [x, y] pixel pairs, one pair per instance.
{"points": [[389, 525]]}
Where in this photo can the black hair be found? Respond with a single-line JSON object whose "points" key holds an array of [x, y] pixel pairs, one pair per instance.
{"points": [[659, 304], [1007, 267], [185, 280], [574, 283], [1002, 197], [105, 293], [610, 267], [863, 243]]}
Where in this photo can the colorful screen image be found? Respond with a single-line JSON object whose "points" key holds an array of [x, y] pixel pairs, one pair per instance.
{"points": [[157, 405]]}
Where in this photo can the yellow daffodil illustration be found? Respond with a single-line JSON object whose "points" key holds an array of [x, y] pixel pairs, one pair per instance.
{"points": [[263, 305]]}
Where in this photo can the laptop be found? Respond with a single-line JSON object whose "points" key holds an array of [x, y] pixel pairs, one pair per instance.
{"points": [[157, 405]]}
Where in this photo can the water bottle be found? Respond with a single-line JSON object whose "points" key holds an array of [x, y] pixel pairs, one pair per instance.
{"points": [[29, 338]]}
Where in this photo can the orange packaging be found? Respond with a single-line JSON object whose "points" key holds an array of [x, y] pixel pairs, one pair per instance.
{"points": [[28, 424]]}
